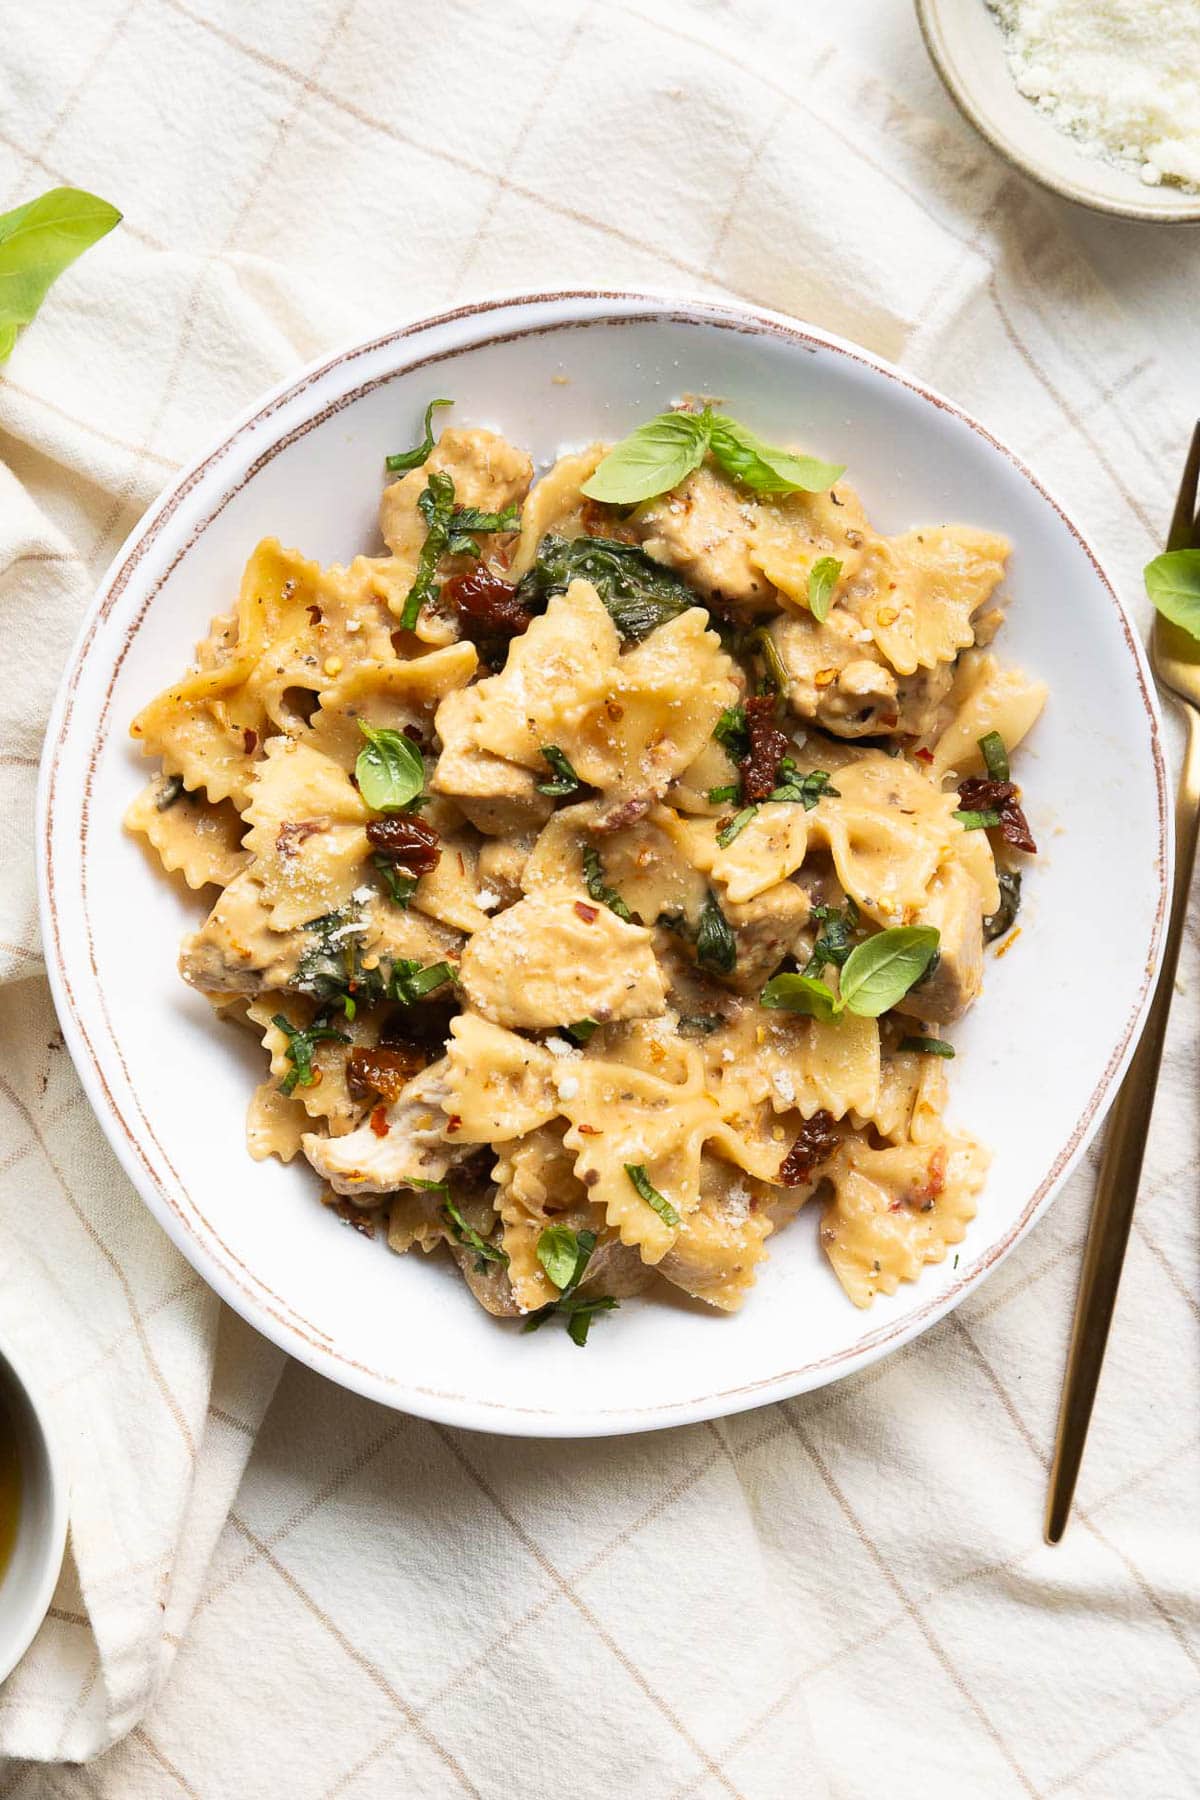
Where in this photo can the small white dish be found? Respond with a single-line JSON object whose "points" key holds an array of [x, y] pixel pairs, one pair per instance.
{"points": [[1038, 1057], [967, 47], [30, 1575]]}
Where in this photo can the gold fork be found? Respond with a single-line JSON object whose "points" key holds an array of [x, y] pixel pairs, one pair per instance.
{"points": [[1176, 659]]}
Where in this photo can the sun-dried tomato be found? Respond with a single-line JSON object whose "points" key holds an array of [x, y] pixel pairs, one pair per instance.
{"points": [[406, 840], [768, 744], [383, 1070], [979, 794], [818, 1139], [293, 833], [481, 599]]}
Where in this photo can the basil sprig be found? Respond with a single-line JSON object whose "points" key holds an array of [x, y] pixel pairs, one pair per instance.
{"points": [[660, 454], [650, 1194], [301, 1042], [565, 780], [412, 459], [1173, 584], [822, 579], [874, 977], [390, 769], [564, 1255], [37, 242]]}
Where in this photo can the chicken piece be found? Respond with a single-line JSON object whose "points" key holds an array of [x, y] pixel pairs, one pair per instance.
{"points": [[403, 1144], [498, 797], [556, 957], [235, 951], [501, 864], [955, 907], [838, 678], [702, 530], [765, 929]]}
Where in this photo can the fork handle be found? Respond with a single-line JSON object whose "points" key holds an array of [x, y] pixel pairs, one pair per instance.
{"points": [[1120, 1170]]}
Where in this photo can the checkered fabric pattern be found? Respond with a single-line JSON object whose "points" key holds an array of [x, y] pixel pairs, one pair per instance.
{"points": [[275, 1588]]}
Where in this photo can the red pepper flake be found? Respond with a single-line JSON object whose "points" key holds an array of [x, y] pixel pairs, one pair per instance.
{"points": [[979, 794], [589, 914], [379, 1121], [817, 1140], [923, 755], [249, 741], [453, 1123], [935, 1181], [587, 1131], [314, 613]]}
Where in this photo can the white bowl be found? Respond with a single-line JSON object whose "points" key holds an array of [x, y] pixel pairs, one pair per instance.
{"points": [[1039, 1055], [28, 1580], [968, 51]]}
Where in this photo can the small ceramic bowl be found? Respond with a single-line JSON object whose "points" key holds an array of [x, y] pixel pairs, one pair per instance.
{"points": [[28, 1577], [967, 48]]}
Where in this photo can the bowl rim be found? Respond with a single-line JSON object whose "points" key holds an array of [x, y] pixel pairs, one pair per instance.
{"points": [[930, 18], [51, 1542], [492, 321]]}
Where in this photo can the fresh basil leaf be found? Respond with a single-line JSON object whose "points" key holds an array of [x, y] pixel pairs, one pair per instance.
{"points": [[732, 733], [390, 769], [881, 970], [37, 242], [411, 982], [759, 642], [997, 923], [654, 458], [661, 1205], [977, 821], [466, 1234], [719, 796], [593, 875], [583, 1030], [640, 594], [1173, 584], [564, 1255], [995, 756], [801, 994], [565, 781], [736, 826], [716, 946], [927, 1046], [301, 1041], [806, 790], [470, 518], [412, 459], [436, 506], [822, 579], [836, 938], [761, 467], [400, 887]]}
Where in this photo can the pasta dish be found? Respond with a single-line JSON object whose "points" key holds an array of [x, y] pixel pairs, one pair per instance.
{"points": [[602, 866]]}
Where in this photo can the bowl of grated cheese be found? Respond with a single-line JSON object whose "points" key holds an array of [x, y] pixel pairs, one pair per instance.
{"points": [[1098, 100]]}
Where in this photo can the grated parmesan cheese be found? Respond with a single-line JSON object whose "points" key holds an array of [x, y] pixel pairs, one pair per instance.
{"points": [[1121, 76]]}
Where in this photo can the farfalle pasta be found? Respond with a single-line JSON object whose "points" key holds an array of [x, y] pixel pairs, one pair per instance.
{"points": [[592, 865]]}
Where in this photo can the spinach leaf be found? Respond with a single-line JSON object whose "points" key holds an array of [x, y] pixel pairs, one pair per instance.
{"points": [[412, 459], [716, 946], [593, 875], [822, 579], [301, 1042], [37, 242], [1173, 584], [638, 593], [801, 994], [390, 769], [661, 1205], [565, 781], [882, 969], [653, 459]]}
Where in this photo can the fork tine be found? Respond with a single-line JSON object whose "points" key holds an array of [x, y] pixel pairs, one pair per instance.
{"points": [[1184, 520]]}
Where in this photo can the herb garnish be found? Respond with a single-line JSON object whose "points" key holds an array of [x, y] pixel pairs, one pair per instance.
{"points": [[169, 793], [400, 887], [466, 1234], [732, 732], [411, 981], [650, 1194], [593, 875], [390, 769], [565, 781], [583, 1030], [564, 1255], [37, 242], [448, 529], [716, 946], [927, 1046], [735, 826], [639, 594], [759, 642], [971, 820], [836, 939], [412, 459], [995, 756], [805, 790], [301, 1041], [660, 454], [997, 923], [822, 579], [1173, 584], [874, 977]]}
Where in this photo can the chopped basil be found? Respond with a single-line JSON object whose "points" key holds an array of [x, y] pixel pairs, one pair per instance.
{"points": [[732, 733], [37, 242], [927, 1046], [466, 1234], [565, 781], [716, 946], [400, 887], [661, 1205], [759, 642], [822, 579], [169, 793], [639, 594], [660, 454], [412, 459], [735, 826], [583, 1030], [836, 938], [702, 1023], [593, 875], [977, 821], [718, 796], [301, 1041], [390, 769], [412, 982], [436, 504], [995, 756], [997, 923], [330, 968], [805, 790]]}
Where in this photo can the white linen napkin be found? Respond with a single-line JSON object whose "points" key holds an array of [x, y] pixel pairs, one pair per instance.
{"points": [[838, 1595]]}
